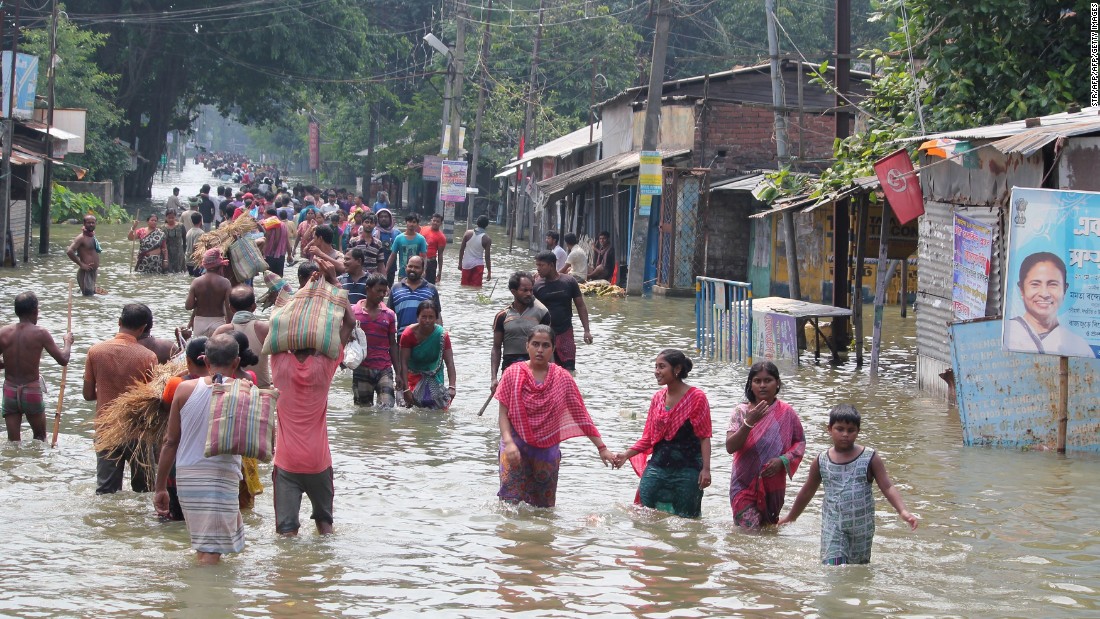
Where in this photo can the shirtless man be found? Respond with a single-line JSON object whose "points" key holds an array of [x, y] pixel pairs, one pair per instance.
{"points": [[84, 251], [243, 301], [21, 345], [164, 349], [208, 297]]}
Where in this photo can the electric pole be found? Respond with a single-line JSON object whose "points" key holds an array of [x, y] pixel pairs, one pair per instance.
{"points": [[480, 114], [650, 141], [454, 144], [841, 219], [9, 129], [779, 105], [46, 194]]}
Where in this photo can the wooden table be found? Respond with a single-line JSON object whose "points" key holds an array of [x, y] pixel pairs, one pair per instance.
{"points": [[804, 309]]}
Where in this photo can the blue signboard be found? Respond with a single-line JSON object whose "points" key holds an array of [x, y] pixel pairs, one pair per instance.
{"points": [[1052, 288], [1009, 399], [26, 83]]}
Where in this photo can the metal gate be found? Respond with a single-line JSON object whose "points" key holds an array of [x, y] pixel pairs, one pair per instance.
{"points": [[683, 209]]}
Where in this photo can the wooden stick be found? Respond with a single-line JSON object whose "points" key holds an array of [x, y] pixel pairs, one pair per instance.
{"points": [[485, 405], [64, 373]]}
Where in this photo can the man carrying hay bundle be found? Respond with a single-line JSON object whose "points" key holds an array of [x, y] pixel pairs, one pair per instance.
{"points": [[109, 370], [207, 486]]}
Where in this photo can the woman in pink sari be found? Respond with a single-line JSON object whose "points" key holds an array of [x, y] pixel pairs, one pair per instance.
{"points": [[767, 442]]}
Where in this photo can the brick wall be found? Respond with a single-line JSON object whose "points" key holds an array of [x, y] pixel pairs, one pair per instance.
{"points": [[747, 134], [727, 240]]}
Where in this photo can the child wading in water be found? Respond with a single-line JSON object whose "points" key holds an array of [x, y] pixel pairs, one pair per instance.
{"points": [[848, 513]]}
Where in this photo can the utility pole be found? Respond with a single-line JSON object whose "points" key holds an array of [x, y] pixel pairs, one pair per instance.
{"points": [[454, 146], [480, 114], [9, 129], [524, 214], [650, 140], [841, 218], [779, 104], [372, 139], [445, 137], [46, 194]]}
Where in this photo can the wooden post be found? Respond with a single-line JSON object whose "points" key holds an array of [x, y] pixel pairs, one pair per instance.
{"points": [[857, 293], [904, 287], [880, 286], [1063, 402]]}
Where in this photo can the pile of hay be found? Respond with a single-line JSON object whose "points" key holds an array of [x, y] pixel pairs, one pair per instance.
{"points": [[601, 288], [135, 417], [223, 237]]}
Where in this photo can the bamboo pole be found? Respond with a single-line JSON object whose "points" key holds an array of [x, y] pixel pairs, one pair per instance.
{"points": [[64, 373], [1063, 402]]}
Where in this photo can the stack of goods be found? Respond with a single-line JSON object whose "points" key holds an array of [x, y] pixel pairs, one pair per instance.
{"points": [[601, 288]]}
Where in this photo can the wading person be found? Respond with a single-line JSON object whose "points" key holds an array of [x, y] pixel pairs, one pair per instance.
{"points": [[513, 324], [576, 261], [474, 255], [21, 347], [152, 256], [242, 299], [407, 245], [276, 241], [84, 251], [375, 375], [174, 241], [540, 406], [303, 462], [208, 295], [673, 455], [559, 293], [848, 511], [386, 233], [207, 487], [437, 242], [407, 295], [193, 269], [767, 442], [425, 353], [109, 370], [560, 254]]}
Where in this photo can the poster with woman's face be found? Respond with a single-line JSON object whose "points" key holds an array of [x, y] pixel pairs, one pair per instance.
{"points": [[1052, 288]]}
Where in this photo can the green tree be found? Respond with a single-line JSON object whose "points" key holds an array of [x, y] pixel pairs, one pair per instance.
{"points": [[81, 83]]}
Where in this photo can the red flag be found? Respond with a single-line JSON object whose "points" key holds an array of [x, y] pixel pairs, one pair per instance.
{"points": [[901, 185], [519, 169]]}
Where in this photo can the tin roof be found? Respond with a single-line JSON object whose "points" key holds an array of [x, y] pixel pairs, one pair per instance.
{"points": [[745, 182], [560, 147], [556, 186], [1017, 137]]}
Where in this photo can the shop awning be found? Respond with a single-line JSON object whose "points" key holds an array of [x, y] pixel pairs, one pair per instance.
{"points": [[557, 186]]}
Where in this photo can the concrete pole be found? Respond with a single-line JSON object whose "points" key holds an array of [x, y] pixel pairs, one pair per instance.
{"points": [[454, 146], [46, 194], [779, 103], [650, 140], [481, 92], [9, 129]]}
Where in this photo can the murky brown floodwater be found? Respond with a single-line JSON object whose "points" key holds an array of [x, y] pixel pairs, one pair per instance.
{"points": [[419, 528]]}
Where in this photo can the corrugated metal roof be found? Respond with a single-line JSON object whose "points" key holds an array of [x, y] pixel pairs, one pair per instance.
{"points": [[21, 156], [556, 186], [739, 183], [1016, 127], [760, 68], [559, 147], [54, 131], [805, 204]]}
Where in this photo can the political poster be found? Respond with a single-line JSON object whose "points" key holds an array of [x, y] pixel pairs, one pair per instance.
{"points": [[973, 245], [452, 183], [1052, 284], [26, 82], [314, 146]]}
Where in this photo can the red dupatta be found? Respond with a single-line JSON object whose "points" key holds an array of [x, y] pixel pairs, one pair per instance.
{"points": [[547, 414], [662, 425]]}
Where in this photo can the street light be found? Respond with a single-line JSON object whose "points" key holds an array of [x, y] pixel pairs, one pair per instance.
{"points": [[436, 44]]}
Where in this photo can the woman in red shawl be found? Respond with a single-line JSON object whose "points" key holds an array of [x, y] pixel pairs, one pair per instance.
{"points": [[677, 434], [540, 406], [766, 439]]}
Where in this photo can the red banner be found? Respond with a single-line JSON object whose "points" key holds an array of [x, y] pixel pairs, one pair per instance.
{"points": [[314, 146], [901, 185]]}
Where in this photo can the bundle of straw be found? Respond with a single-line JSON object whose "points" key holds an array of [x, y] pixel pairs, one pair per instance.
{"points": [[136, 418], [223, 237]]}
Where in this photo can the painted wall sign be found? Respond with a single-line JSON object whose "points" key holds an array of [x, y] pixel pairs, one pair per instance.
{"points": [[1009, 399]]}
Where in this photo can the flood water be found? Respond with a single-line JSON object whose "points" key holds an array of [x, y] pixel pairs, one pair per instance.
{"points": [[419, 529]]}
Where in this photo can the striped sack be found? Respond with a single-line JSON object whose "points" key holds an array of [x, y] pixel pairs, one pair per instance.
{"points": [[246, 259], [310, 319], [242, 420]]}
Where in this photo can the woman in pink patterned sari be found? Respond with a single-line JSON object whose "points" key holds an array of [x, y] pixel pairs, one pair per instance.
{"points": [[767, 442]]}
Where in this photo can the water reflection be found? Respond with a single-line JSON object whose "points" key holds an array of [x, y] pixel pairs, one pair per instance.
{"points": [[418, 526]]}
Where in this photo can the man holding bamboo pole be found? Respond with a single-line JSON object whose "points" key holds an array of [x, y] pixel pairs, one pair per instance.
{"points": [[21, 346]]}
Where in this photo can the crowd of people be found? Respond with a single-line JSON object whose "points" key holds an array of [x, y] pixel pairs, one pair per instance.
{"points": [[388, 277]]}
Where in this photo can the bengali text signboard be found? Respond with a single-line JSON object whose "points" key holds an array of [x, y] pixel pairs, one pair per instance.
{"points": [[973, 245], [452, 183], [314, 146], [1052, 284], [649, 173]]}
